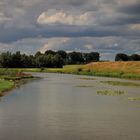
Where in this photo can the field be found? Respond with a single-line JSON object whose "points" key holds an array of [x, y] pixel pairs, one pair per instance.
{"points": [[128, 70], [9, 78], [5, 85]]}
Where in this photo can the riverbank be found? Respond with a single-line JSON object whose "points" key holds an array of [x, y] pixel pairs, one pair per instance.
{"points": [[127, 70], [11, 78]]}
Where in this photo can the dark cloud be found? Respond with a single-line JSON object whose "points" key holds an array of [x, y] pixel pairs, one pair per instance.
{"points": [[133, 9], [116, 24], [15, 34]]}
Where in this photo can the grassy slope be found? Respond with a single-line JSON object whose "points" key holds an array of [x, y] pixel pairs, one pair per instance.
{"points": [[9, 78], [126, 67], [130, 70], [5, 85]]}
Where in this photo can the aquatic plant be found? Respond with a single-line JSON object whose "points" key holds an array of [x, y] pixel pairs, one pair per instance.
{"points": [[133, 98], [118, 83], [86, 78], [110, 92], [84, 86]]}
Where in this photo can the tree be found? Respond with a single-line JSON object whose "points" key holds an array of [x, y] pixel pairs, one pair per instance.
{"points": [[38, 54], [50, 52], [48, 59], [27, 61], [122, 57], [16, 60], [41, 61], [135, 57], [63, 55], [91, 57], [75, 58], [6, 60], [57, 61]]}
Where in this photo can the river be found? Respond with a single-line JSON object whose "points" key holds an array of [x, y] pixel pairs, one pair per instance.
{"points": [[67, 107]]}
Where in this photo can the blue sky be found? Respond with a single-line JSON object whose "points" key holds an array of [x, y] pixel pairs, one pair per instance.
{"points": [[106, 26]]}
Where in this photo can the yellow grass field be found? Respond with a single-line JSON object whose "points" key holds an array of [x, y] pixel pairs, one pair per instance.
{"points": [[129, 70], [126, 67]]}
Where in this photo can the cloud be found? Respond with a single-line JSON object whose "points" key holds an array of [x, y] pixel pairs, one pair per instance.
{"points": [[130, 9], [55, 44], [135, 27], [52, 17], [89, 46], [106, 46], [106, 26], [3, 18]]}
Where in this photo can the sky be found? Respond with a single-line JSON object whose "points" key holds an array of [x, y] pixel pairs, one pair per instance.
{"points": [[105, 26]]}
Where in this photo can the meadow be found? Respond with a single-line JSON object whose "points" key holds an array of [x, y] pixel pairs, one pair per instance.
{"points": [[127, 70], [10, 78]]}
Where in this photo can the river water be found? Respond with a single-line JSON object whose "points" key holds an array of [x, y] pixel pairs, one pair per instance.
{"points": [[67, 107]]}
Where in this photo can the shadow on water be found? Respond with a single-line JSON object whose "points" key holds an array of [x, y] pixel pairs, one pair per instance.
{"points": [[54, 108]]}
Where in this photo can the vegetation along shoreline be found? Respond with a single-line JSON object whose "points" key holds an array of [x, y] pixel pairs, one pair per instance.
{"points": [[125, 70], [11, 78], [13, 66]]}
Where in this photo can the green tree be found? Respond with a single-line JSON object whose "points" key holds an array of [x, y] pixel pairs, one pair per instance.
{"points": [[50, 52], [6, 60], [57, 61], [122, 57], [16, 60], [91, 57], [75, 58], [135, 57]]}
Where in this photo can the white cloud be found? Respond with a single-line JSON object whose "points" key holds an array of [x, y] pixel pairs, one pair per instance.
{"points": [[135, 27], [3, 17], [89, 46], [55, 44], [127, 2], [61, 17], [112, 24], [106, 46]]}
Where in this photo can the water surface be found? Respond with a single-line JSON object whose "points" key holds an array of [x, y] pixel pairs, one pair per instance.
{"points": [[57, 107]]}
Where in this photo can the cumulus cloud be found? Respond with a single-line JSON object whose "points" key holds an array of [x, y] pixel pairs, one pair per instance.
{"points": [[106, 26], [106, 46], [135, 27], [89, 46], [55, 44], [61, 17], [3, 18]]}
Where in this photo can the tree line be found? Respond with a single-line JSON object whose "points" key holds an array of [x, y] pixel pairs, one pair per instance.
{"points": [[53, 59], [125, 57]]}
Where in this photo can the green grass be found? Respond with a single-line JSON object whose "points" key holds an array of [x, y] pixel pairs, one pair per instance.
{"points": [[9, 78], [85, 78], [127, 70], [110, 92], [84, 86], [75, 70], [95, 71], [133, 98], [5, 85], [118, 83]]}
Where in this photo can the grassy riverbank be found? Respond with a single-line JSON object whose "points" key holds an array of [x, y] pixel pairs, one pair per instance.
{"points": [[5, 85], [128, 70], [10, 78]]}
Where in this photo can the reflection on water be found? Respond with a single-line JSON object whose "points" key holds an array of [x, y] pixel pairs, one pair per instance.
{"points": [[55, 108]]}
